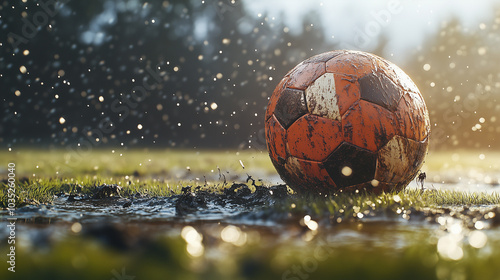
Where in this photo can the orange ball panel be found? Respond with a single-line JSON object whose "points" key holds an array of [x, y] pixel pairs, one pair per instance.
{"points": [[319, 177], [347, 89], [313, 138], [276, 137], [324, 57], [307, 176], [352, 63], [304, 74], [368, 126]]}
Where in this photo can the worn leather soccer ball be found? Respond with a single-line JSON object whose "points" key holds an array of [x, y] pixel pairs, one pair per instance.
{"points": [[347, 120]]}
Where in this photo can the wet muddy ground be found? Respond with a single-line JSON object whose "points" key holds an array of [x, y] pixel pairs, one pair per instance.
{"points": [[269, 208], [235, 225]]}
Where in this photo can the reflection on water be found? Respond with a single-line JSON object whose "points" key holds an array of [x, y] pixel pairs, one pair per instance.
{"points": [[255, 210]]}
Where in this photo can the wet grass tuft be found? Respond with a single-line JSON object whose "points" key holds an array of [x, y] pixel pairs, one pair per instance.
{"points": [[334, 208]]}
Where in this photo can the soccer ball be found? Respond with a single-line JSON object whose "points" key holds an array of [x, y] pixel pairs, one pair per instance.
{"points": [[347, 120]]}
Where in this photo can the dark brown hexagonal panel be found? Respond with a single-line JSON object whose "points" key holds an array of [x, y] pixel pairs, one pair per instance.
{"points": [[379, 89], [361, 162], [290, 106]]}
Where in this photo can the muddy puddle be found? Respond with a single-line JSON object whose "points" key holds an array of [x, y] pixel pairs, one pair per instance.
{"points": [[237, 203], [260, 211]]}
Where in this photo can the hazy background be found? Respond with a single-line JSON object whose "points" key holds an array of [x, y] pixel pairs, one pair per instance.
{"points": [[198, 74]]}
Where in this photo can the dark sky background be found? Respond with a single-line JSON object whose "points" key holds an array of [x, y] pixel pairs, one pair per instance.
{"points": [[199, 73]]}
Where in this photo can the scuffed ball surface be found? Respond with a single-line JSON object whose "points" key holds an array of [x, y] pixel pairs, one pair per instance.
{"points": [[347, 120]]}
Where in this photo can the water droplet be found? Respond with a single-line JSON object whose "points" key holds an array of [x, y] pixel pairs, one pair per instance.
{"points": [[477, 239], [230, 234], [479, 225], [76, 227], [449, 248], [346, 171], [312, 225], [481, 50]]}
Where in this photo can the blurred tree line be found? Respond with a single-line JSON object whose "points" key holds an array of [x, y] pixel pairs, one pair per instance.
{"points": [[199, 74], [457, 72]]}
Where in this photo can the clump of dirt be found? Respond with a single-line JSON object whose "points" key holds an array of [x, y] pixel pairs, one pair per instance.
{"points": [[239, 201], [106, 191], [239, 194]]}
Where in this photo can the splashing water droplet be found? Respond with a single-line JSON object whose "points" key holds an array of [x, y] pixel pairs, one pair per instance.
{"points": [[346, 171], [477, 239]]}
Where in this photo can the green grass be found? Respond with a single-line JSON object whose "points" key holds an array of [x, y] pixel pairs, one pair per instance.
{"points": [[286, 251], [187, 164], [367, 204], [149, 179], [43, 191], [104, 163], [164, 172]]}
